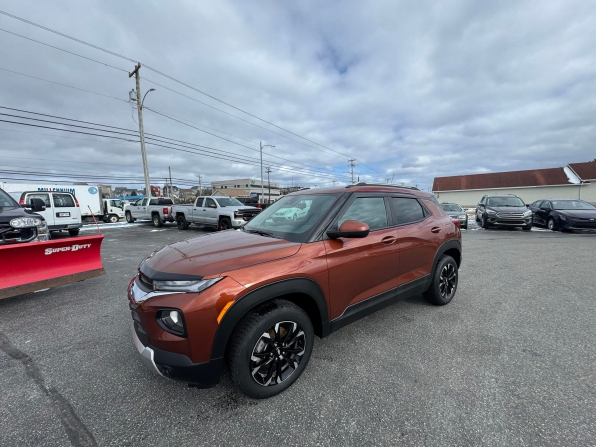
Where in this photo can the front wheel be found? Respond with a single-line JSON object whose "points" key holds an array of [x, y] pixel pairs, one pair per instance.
{"points": [[485, 224], [157, 221], [224, 224], [74, 232], [444, 282], [551, 225], [113, 218], [129, 218], [181, 223], [270, 349]]}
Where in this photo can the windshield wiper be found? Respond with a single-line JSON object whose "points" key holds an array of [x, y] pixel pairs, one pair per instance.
{"points": [[261, 233]]}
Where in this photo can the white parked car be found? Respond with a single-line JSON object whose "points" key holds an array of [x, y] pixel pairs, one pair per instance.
{"points": [[294, 212]]}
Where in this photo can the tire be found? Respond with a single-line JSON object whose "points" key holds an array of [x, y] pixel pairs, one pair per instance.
{"points": [[157, 221], [106, 219], [252, 337], [465, 226], [444, 282], [113, 218], [485, 224], [128, 217], [551, 224], [74, 232], [224, 224], [476, 216], [181, 223]]}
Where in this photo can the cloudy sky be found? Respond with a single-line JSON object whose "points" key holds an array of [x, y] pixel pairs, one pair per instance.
{"points": [[410, 89]]}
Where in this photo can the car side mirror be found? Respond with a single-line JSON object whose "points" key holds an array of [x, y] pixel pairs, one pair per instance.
{"points": [[350, 229], [37, 205]]}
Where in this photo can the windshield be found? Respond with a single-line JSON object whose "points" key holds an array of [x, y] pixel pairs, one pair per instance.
{"points": [[453, 208], [6, 200], [292, 217], [505, 201], [572, 205], [228, 201]]}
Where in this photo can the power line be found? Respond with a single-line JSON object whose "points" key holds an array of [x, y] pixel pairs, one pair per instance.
{"points": [[134, 133], [168, 77], [195, 151], [63, 85]]}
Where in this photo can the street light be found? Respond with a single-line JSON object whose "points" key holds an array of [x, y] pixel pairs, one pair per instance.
{"points": [[263, 189], [141, 129]]}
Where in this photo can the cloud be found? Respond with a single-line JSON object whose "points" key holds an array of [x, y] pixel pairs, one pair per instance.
{"points": [[411, 90]]}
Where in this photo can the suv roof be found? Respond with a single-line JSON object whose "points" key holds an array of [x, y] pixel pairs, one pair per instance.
{"points": [[367, 187]]}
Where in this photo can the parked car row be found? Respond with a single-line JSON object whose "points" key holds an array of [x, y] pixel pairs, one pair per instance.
{"points": [[509, 210]]}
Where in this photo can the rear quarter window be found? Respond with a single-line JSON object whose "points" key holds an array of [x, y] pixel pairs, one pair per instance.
{"points": [[63, 201]]}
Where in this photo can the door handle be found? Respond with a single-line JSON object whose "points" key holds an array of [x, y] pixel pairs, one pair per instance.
{"points": [[435, 229], [388, 240]]}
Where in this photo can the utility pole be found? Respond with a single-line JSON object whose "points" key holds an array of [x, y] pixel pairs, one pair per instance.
{"points": [[334, 183], [170, 170], [200, 185], [268, 184], [352, 160], [262, 189], [141, 132]]}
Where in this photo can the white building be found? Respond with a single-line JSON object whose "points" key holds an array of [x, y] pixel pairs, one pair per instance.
{"points": [[246, 187], [574, 181]]}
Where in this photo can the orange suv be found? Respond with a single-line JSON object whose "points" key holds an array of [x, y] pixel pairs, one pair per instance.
{"points": [[311, 263]]}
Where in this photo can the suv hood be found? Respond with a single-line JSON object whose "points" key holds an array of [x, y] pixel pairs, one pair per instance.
{"points": [[508, 209], [215, 253], [579, 214], [7, 213]]}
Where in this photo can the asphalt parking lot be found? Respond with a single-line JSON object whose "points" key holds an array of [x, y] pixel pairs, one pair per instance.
{"points": [[511, 361]]}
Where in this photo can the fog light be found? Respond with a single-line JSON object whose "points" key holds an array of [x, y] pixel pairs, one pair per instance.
{"points": [[172, 321]]}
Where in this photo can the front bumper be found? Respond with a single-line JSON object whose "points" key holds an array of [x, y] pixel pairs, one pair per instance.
{"points": [[238, 223], [504, 222], [178, 366], [64, 227]]}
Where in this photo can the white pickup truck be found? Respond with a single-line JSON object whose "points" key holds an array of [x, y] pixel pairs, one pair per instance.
{"points": [[219, 212], [156, 209]]}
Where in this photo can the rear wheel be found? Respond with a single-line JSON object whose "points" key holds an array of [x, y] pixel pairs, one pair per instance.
{"points": [[181, 223], [157, 221], [224, 224], [129, 218], [444, 282], [74, 232], [270, 349]]}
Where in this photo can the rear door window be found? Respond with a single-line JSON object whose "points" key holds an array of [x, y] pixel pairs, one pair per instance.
{"points": [[370, 210], [405, 211], [63, 201], [199, 202], [45, 197]]}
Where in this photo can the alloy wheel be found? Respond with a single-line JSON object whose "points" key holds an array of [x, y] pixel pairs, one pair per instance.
{"points": [[551, 224], [447, 281], [278, 353]]}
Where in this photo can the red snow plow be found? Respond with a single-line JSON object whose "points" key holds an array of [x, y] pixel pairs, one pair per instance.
{"points": [[33, 266]]}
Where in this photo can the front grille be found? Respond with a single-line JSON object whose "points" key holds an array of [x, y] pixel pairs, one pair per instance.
{"points": [[584, 225], [511, 215], [249, 214], [145, 283], [9, 235], [138, 325]]}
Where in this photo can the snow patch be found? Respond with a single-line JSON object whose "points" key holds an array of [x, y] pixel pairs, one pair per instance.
{"points": [[571, 176]]}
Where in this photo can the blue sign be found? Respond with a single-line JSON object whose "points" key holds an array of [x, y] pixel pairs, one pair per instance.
{"points": [[93, 190]]}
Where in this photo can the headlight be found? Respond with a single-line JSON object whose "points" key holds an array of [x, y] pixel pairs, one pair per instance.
{"points": [[171, 320], [562, 217], [462, 216], [25, 222], [528, 213], [238, 214], [42, 228], [493, 212], [184, 286]]}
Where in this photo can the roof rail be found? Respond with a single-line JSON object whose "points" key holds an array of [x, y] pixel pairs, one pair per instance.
{"points": [[390, 185]]}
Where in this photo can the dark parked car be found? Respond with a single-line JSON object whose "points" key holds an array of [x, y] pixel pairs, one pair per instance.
{"points": [[456, 212], [506, 210], [564, 214]]}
